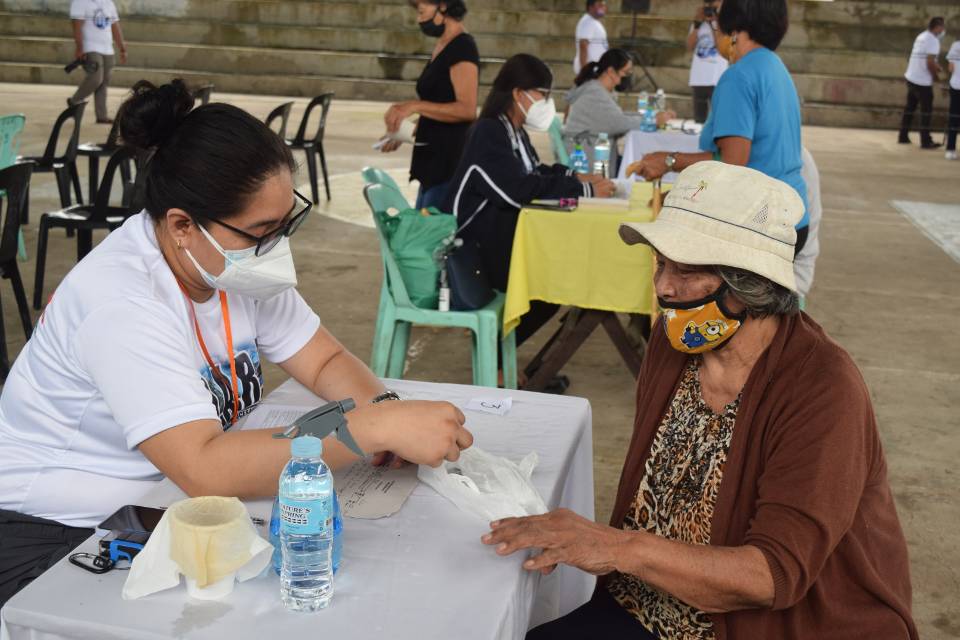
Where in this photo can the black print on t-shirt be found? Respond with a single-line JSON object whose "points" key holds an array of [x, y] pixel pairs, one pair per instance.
{"points": [[249, 385]]}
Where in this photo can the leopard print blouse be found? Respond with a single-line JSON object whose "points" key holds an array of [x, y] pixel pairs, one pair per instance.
{"points": [[676, 499]]}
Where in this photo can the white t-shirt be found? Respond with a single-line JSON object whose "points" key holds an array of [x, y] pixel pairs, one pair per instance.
{"points": [[917, 72], [98, 16], [954, 56], [592, 30], [115, 360], [707, 65]]}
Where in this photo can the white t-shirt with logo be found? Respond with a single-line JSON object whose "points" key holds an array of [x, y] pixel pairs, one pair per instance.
{"points": [[593, 31], [98, 16], [707, 65], [954, 56], [925, 45], [115, 360]]}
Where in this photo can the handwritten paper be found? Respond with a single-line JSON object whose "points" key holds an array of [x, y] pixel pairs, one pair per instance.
{"points": [[369, 492], [496, 406]]}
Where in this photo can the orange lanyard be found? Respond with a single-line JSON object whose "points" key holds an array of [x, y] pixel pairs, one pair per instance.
{"points": [[225, 310]]}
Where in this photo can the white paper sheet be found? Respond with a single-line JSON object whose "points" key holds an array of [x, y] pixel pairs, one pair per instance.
{"points": [[496, 406], [370, 492]]}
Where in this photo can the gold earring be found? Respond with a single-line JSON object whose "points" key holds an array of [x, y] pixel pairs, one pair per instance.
{"points": [[179, 246]]}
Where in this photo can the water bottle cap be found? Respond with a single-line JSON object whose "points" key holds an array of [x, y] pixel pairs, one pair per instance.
{"points": [[306, 447]]}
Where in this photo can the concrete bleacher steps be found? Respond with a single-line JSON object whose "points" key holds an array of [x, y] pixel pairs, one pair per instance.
{"points": [[847, 56]]}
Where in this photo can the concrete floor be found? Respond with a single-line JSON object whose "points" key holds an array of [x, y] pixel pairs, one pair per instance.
{"points": [[883, 290]]}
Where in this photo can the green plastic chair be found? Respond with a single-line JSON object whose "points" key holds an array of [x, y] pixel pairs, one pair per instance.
{"points": [[372, 175], [10, 129], [397, 314], [560, 154]]}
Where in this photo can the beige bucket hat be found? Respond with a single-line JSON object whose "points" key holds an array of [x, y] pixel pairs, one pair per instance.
{"points": [[724, 214]]}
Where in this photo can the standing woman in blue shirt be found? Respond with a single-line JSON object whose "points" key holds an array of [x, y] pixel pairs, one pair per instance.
{"points": [[447, 91], [755, 112]]}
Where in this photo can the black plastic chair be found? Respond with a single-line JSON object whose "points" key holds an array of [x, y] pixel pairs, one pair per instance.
{"points": [[313, 146], [202, 94], [281, 113], [15, 182], [83, 219], [93, 152], [64, 167]]}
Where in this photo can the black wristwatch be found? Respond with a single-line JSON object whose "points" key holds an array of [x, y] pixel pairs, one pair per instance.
{"points": [[386, 395]]}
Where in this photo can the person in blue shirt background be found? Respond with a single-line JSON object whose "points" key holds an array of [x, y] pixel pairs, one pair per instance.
{"points": [[755, 112]]}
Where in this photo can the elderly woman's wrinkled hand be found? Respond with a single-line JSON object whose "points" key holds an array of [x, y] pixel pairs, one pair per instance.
{"points": [[564, 537], [651, 167]]}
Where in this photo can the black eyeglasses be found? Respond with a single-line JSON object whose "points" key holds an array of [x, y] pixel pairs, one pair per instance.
{"points": [[268, 241]]}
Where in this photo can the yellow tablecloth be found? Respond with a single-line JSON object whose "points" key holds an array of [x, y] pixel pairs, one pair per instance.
{"points": [[577, 258]]}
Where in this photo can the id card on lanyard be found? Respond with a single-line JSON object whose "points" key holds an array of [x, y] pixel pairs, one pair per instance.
{"points": [[225, 310]]}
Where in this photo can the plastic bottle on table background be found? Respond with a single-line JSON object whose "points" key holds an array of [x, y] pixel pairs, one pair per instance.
{"points": [[578, 160], [337, 534], [306, 528], [643, 101], [601, 156]]}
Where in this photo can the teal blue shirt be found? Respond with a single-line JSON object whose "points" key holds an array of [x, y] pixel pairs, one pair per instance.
{"points": [[756, 99]]}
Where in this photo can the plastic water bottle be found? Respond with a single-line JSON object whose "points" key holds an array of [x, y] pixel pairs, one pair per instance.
{"points": [[643, 102], [601, 156], [661, 100], [306, 528], [337, 535], [578, 160]]}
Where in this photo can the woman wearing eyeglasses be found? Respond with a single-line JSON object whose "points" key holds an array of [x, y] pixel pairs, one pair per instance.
{"points": [[150, 349]]}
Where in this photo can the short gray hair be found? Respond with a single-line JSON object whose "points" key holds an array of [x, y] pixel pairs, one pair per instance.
{"points": [[761, 296]]}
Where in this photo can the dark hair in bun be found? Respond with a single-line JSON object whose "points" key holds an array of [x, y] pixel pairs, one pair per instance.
{"points": [[208, 160], [456, 9]]}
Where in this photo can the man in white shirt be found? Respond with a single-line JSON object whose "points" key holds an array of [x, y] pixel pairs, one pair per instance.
{"points": [[707, 64], [591, 35], [922, 72], [95, 26], [953, 63]]}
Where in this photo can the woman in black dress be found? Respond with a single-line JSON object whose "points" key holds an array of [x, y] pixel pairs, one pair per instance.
{"points": [[447, 91]]}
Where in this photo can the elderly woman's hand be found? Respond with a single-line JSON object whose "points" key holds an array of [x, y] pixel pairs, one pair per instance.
{"points": [[564, 538], [651, 167]]}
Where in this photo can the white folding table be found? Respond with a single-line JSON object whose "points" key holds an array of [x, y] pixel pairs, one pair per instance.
{"points": [[419, 574]]}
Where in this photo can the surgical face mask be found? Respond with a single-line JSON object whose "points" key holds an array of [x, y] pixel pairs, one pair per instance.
{"points": [[540, 115], [247, 274], [941, 35], [626, 83], [599, 12], [700, 325], [432, 29]]}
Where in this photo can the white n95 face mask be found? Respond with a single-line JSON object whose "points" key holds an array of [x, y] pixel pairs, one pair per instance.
{"points": [[247, 274], [540, 115]]}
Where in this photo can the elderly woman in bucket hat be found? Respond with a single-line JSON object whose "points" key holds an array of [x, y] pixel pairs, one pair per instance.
{"points": [[754, 500]]}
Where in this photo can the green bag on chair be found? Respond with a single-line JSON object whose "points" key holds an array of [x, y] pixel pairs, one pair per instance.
{"points": [[413, 239]]}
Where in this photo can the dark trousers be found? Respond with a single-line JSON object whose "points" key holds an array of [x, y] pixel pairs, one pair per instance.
{"points": [[954, 126], [602, 617], [29, 546], [922, 96], [701, 103]]}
